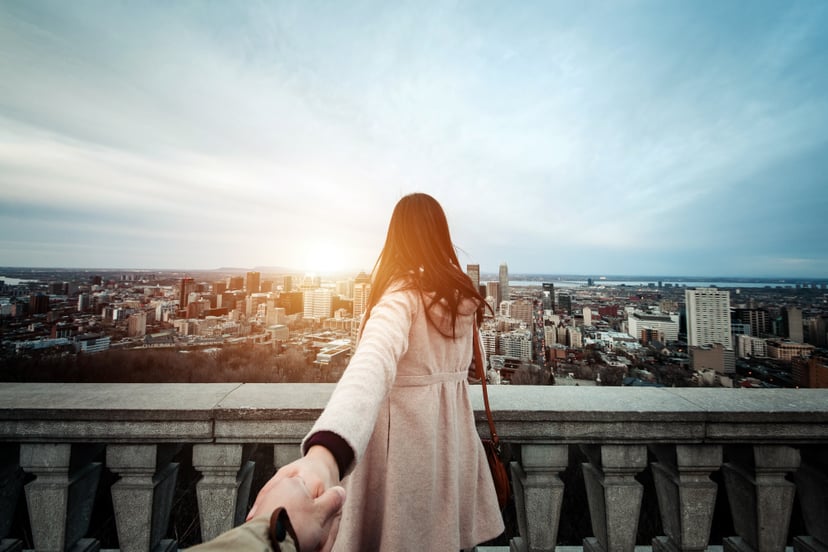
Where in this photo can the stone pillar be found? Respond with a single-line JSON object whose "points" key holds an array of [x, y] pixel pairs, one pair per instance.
{"points": [[686, 495], [223, 490], [142, 498], [538, 496], [812, 488], [61, 497], [614, 495], [761, 498], [11, 485]]}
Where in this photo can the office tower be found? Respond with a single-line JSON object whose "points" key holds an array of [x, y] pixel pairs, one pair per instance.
{"points": [[219, 287], [473, 270], [792, 324], [235, 283], [291, 301], [548, 296], [708, 317], [287, 283], [521, 309], [362, 289], [758, 319], [504, 282], [38, 303], [493, 291], [318, 303], [187, 287], [84, 302], [253, 280], [587, 316], [311, 281], [565, 303]]}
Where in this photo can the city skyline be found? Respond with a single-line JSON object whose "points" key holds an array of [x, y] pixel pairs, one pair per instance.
{"points": [[580, 138]]}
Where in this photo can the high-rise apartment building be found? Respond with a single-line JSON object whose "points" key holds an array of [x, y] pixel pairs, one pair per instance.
{"points": [[708, 317], [253, 282], [473, 270], [503, 279]]}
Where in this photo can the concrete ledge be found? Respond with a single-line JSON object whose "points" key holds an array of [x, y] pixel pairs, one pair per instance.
{"points": [[282, 413]]}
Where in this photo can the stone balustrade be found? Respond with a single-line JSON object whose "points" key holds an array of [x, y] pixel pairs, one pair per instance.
{"points": [[766, 451]]}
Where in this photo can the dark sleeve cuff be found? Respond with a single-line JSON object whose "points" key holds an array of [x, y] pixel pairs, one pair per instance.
{"points": [[341, 450], [282, 532]]}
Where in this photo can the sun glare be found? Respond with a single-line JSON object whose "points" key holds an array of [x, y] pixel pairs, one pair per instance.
{"points": [[324, 258]]}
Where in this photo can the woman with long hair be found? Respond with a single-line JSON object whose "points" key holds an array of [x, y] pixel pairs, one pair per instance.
{"points": [[399, 426]]}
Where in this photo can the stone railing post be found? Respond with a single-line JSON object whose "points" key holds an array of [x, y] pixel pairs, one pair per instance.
{"points": [[614, 495], [538, 492], [143, 496], [224, 488], [11, 484], [812, 488], [686, 495], [60, 499], [761, 500]]}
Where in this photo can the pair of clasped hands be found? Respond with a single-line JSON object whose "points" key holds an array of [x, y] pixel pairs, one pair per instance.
{"points": [[308, 490]]}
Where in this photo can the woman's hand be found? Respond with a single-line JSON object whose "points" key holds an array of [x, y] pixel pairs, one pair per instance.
{"points": [[317, 469]]}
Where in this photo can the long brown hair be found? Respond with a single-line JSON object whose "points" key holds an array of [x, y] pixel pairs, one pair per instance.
{"points": [[418, 253]]}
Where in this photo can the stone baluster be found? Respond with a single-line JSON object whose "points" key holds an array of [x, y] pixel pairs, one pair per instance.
{"points": [[812, 488], [538, 494], [686, 495], [614, 495], [61, 497], [11, 484], [761, 498], [142, 498], [224, 488]]}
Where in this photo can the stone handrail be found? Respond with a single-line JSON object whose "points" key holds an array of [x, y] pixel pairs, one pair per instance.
{"points": [[760, 448]]}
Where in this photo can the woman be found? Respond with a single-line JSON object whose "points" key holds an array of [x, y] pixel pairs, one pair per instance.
{"points": [[399, 423]]}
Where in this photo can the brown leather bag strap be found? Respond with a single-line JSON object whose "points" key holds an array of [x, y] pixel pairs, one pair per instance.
{"points": [[481, 372]]}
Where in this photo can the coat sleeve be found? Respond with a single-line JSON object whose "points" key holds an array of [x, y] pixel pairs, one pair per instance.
{"points": [[354, 405]]}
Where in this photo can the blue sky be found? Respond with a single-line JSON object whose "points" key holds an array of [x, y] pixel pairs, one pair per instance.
{"points": [[664, 137]]}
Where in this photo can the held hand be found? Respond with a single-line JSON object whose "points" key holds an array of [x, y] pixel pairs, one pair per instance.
{"points": [[317, 469], [316, 522]]}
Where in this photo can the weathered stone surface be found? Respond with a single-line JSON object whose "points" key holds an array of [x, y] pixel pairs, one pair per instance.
{"points": [[538, 492]]}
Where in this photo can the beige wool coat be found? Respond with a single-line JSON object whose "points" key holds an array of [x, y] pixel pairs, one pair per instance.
{"points": [[421, 480]]}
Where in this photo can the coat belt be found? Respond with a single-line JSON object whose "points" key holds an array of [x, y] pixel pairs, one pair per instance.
{"points": [[430, 379]]}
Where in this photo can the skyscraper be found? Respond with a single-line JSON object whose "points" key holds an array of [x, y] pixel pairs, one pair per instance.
{"points": [[253, 282], [473, 270], [187, 286], [708, 317], [792, 322], [504, 282], [493, 291], [549, 296]]}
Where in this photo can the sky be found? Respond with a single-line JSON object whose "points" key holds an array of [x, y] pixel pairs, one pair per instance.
{"points": [[658, 137]]}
